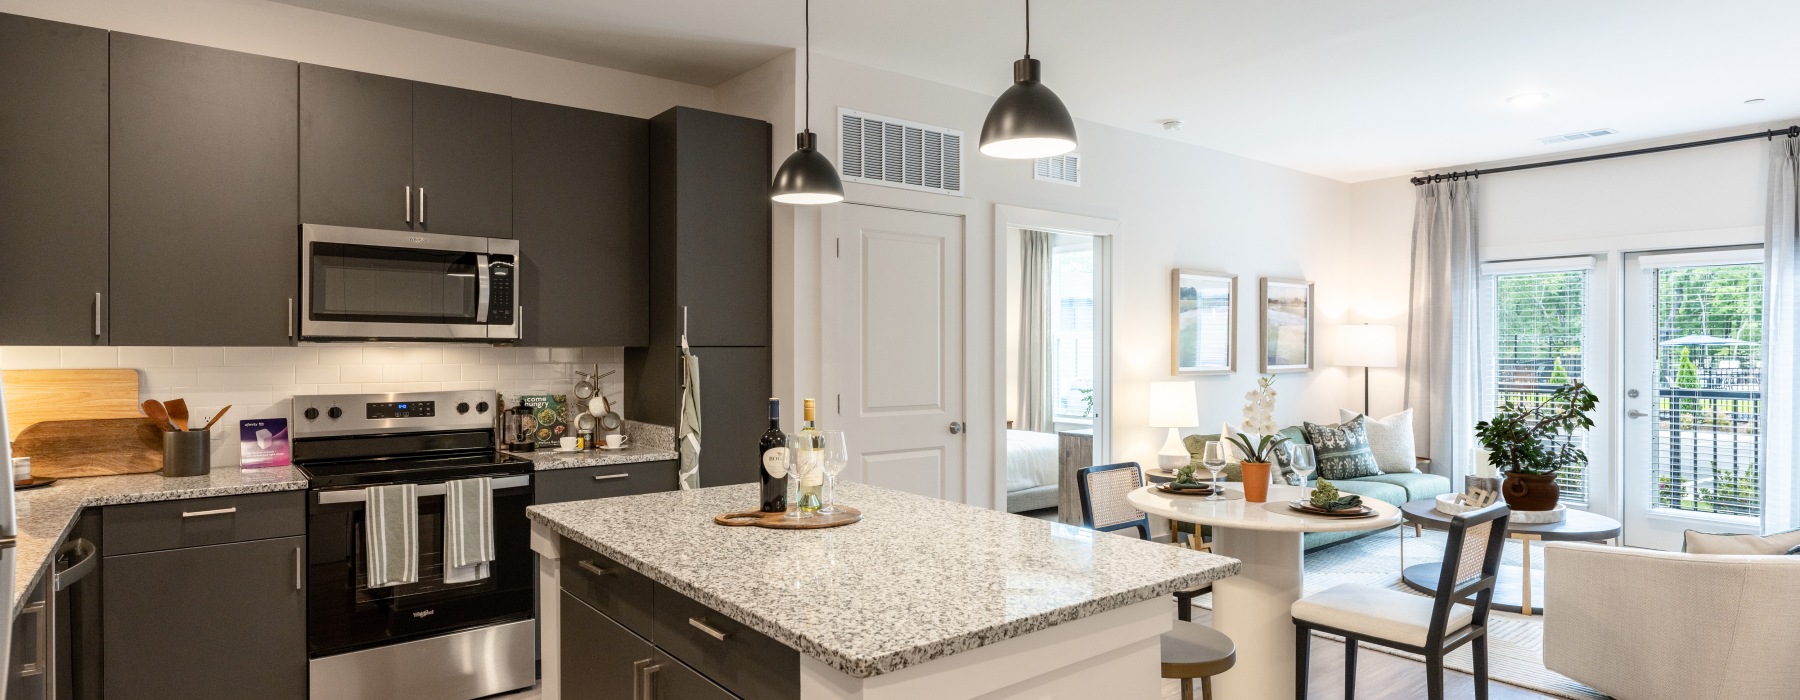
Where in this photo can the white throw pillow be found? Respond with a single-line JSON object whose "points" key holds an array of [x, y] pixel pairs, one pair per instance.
{"points": [[1704, 543], [1391, 439]]}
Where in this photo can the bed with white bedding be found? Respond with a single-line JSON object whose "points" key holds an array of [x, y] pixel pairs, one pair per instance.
{"points": [[1031, 470]]}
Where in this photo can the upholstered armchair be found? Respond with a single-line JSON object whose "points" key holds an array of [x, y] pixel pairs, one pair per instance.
{"points": [[1647, 625]]}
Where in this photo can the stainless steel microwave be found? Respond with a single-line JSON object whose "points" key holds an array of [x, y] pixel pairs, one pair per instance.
{"points": [[372, 284]]}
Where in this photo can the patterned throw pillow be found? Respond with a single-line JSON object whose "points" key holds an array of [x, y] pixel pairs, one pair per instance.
{"points": [[1342, 450]]}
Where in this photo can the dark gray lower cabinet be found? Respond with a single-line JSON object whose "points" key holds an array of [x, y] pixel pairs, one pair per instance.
{"points": [[225, 621], [603, 660], [586, 483], [205, 222], [52, 183]]}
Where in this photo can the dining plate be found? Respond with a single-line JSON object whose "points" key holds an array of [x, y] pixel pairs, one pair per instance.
{"points": [[1307, 508]]}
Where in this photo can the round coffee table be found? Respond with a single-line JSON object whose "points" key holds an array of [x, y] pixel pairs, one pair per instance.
{"points": [[1516, 589]]}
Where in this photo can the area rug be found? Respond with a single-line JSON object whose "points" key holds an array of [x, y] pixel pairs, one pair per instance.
{"points": [[1516, 646]]}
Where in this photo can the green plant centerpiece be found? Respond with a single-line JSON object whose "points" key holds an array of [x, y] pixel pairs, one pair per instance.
{"points": [[1531, 443], [1325, 496], [1255, 465]]}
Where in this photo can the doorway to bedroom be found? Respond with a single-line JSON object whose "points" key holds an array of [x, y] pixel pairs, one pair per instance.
{"points": [[1056, 388]]}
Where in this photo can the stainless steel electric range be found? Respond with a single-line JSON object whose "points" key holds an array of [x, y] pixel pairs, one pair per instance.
{"points": [[429, 639]]}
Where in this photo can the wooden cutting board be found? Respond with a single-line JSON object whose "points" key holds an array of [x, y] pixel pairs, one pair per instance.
{"points": [[66, 448], [37, 395]]}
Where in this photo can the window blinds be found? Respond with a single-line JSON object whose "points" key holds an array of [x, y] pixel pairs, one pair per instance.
{"points": [[1537, 333]]}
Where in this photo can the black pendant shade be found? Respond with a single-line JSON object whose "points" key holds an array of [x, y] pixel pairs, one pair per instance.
{"points": [[1029, 120], [807, 176]]}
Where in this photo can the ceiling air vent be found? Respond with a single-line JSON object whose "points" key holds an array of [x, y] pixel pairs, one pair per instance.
{"points": [[1577, 136], [1065, 169], [878, 150]]}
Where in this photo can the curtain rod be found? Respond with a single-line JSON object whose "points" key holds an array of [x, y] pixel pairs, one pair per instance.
{"points": [[1790, 132]]}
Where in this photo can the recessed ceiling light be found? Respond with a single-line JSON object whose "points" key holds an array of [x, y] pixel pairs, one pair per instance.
{"points": [[1173, 125], [1752, 101], [1529, 98]]}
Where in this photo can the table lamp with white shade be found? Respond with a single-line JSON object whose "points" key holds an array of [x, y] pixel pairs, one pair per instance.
{"points": [[1172, 406], [1365, 346]]}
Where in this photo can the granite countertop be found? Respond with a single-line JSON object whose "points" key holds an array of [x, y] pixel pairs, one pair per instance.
{"points": [[918, 579], [47, 513], [545, 460]]}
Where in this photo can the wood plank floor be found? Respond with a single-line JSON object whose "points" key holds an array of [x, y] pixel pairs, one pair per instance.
{"points": [[1379, 676]]}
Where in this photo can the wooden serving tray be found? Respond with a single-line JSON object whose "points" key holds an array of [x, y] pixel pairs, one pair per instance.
{"points": [[780, 521]]}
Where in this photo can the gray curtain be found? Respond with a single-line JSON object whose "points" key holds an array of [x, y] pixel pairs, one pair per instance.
{"points": [[1781, 309], [1036, 413], [1441, 355]]}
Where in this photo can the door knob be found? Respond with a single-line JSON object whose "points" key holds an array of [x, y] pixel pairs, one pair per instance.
{"points": [[956, 427], [1634, 413]]}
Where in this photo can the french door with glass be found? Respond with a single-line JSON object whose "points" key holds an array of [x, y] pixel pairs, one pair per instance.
{"points": [[1692, 386]]}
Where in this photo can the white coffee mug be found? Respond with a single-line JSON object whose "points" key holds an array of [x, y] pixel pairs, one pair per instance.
{"points": [[615, 441], [568, 444]]}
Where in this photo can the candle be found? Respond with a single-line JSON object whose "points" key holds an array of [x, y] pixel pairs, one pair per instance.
{"points": [[1484, 465]]}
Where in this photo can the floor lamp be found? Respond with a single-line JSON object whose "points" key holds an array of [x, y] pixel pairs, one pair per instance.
{"points": [[1365, 346]]}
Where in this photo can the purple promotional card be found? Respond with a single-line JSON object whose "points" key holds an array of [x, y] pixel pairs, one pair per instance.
{"points": [[263, 442]]}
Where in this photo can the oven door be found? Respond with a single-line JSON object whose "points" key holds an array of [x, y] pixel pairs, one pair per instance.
{"points": [[401, 285], [343, 614]]}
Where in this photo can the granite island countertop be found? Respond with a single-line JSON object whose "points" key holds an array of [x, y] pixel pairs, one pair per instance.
{"points": [[918, 579], [46, 514]]}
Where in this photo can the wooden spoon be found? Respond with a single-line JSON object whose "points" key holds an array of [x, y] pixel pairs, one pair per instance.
{"points": [[157, 412], [215, 419], [178, 412]]}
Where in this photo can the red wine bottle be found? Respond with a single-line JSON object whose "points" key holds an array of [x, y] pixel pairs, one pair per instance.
{"points": [[774, 474]]}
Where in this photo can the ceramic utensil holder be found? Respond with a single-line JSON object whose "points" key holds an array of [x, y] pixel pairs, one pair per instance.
{"points": [[187, 453]]}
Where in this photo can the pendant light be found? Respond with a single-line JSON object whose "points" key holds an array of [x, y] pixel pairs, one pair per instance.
{"points": [[807, 176], [1028, 121]]}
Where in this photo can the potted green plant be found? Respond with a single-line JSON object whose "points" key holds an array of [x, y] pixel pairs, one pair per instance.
{"points": [[1530, 444], [1255, 465]]}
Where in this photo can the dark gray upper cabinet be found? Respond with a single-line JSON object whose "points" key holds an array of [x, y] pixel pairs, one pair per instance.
{"points": [[225, 621], [53, 153], [462, 161], [356, 149], [581, 214], [205, 163], [709, 235], [387, 153]]}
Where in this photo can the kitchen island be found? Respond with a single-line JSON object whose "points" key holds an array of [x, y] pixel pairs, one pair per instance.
{"points": [[646, 596]]}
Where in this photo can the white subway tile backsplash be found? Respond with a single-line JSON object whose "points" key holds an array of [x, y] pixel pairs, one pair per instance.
{"points": [[400, 373], [440, 373], [199, 357], [341, 355], [462, 356], [360, 373], [30, 358], [497, 356], [90, 358], [316, 374], [244, 376], [247, 357], [379, 355], [480, 373], [142, 358], [162, 377], [531, 355], [565, 354]]}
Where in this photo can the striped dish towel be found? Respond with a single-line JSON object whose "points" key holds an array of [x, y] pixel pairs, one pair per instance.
{"points": [[468, 524], [392, 530]]}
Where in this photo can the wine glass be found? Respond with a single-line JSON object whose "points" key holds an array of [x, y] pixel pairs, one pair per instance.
{"points": [[837, 454], [795, 461], [1305, 462], [1213, 458]]}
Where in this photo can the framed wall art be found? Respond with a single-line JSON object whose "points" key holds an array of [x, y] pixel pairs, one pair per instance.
{"points": [[1205, 322], [1286, 314]]}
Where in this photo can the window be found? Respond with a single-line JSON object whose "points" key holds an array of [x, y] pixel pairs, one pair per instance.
{"points": [[1072, 351], [1708, 379], [1537, 330]]}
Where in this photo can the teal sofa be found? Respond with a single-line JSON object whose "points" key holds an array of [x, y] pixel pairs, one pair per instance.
{"points": [[1394, 489]]}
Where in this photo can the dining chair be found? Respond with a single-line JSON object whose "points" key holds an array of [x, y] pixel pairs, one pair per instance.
{"points": [[1190, 651], [1429, 627]]}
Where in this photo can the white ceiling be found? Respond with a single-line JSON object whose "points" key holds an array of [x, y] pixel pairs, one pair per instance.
{"points": [[1348, 89]]}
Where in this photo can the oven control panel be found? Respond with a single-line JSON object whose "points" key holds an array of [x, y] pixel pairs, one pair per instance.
{"points": [[369, 414], [402, 409]]}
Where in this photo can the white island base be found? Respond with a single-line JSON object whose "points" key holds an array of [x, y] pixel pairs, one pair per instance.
{"points": [[1115, 654]]}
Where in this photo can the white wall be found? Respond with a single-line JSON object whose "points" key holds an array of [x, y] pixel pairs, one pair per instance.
{"points": [[262, 382], [310, 36], [1178, 206]]}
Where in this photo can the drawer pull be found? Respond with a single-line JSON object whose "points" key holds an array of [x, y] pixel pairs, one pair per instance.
{"points": [[700, 624], [609, 477], [589, 567], [203, 513]]}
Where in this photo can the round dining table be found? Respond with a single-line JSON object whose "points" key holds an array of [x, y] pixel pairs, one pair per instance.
{"points": [[1253, 607]]}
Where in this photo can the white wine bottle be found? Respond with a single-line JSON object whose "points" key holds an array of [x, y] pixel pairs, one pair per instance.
{"points": [[809, 461]]}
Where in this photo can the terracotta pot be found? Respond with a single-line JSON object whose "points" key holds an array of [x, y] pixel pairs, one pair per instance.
{"points": [[1531, 491], [1256, 481]]}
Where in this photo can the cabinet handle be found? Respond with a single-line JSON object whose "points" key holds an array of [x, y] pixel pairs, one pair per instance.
{"points": [[96, 314], [200, 513], [610, 477], [643, 675], [41, 663], [299, 568], [700, 624], [290, 310], [589, 567], [409, 204], [421, 206]]}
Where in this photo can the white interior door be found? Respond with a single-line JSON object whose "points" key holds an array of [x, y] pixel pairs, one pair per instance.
{"points": [[895, 354], [1692, 395]]}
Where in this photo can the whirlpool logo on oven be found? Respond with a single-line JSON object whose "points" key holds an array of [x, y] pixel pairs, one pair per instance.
{"points": [[422, 614]]}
